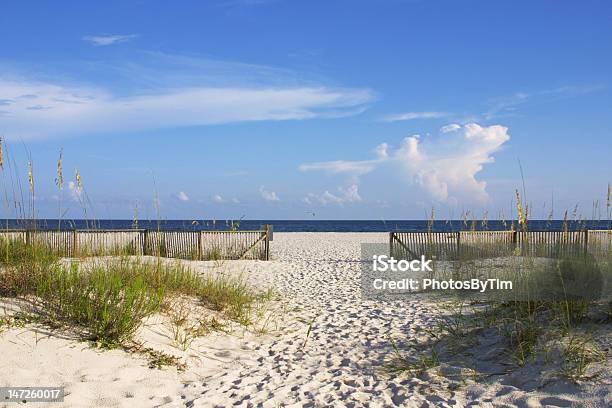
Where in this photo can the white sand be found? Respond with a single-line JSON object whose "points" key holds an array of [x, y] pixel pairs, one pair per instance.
{"points": [[340, 365]]}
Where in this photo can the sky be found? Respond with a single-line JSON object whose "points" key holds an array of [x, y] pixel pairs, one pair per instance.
{"points": [[278, 109]]}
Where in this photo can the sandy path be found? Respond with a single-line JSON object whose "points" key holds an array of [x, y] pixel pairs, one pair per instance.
{"points": [[341, 364]]}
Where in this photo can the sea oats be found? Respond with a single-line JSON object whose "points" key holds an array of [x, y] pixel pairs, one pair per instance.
{"points": [[30, 176], [59, 181]]}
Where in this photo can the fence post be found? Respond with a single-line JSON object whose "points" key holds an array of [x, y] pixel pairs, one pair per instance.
{"points": [[145, 235], [586, 241], [458, 243], [75, 243], [268, 233], [28, 239], [199, 245], [391, 243]]}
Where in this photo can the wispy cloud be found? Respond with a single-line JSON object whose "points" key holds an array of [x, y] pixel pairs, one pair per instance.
{"points": [[103, 40], [508, 105], [414, 115], [268, 195], [37, 108], [450, 128], [500, 107], [341, 166], [445, 167], [182, 196], [219, 199]]}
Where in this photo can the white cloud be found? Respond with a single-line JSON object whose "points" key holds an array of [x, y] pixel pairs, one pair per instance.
{"points": [[102, 40], [75, 191], [268, 195], [382, 151], [41, 109], [508, 105], [182, 196], [450, 128], [351, 194], [218, 199], [414, 115], [444, 167], [341, 166], [344, 195]]}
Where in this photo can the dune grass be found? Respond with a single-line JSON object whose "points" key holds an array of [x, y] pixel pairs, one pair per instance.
{"points": [[109, 300], [106, 300], [22, 265], [560, 298]]}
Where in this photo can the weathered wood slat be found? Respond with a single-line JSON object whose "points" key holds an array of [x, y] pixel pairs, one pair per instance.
{"points": [[195, 245], [491, 244]]}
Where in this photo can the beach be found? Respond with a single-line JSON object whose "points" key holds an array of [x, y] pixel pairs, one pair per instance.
{"points": [[319, 343]]}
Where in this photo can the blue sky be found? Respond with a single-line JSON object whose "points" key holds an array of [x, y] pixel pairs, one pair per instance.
{"points": [[279, 109]]}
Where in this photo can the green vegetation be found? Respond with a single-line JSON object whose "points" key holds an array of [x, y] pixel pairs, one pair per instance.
{"points": [[109, 300], [560, 302], [22, 266]]}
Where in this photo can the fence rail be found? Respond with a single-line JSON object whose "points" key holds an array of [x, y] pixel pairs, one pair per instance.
{"points": [[489, 244], [195, 245]]}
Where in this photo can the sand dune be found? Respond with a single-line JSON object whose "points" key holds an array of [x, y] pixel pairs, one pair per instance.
{"points": [[324, 346]]}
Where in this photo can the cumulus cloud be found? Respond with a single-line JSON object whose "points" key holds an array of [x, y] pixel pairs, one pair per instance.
{"points": [[218, 199], [445, 167], [344, 195], [182, 196], [414, 115], [382, 151], [102, 40], [268, 195]]}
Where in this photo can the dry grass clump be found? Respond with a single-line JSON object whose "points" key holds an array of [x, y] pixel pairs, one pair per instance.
{"points": [[579, 353], [233, 297], [185, 326]]}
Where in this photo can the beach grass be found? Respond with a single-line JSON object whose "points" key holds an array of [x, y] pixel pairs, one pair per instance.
{"points": [[109, 302], [22, 265], [108, 299], [106, 294], [560, 297]]}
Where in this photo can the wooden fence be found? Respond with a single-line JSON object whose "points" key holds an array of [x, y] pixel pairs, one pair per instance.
{"points": [[194, 245], [490, 244]]}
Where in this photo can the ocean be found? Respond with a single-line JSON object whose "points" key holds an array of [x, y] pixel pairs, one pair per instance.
{"points": [[304, 225]]}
